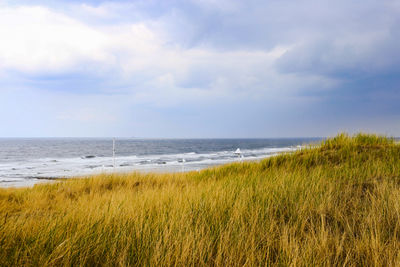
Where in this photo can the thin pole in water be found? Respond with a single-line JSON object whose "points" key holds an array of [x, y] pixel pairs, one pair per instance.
{"points": [[114, 153], [183, 165]]}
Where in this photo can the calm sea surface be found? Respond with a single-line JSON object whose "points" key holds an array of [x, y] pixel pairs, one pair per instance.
{"points": [[25, 162]]}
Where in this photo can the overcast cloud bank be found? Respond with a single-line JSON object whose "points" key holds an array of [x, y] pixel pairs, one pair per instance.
{"points": [[199, 68]]}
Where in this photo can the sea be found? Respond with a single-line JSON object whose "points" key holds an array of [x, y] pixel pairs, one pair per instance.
{"points": [[28, 161]]}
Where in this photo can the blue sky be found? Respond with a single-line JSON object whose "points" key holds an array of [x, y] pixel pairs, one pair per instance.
{"points": [[199, 68]]}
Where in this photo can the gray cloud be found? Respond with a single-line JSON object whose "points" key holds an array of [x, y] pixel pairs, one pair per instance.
{"points": [[227, 68]]}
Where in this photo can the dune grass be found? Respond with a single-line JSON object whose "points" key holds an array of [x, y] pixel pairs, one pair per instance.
{"points": [[334, 204]]}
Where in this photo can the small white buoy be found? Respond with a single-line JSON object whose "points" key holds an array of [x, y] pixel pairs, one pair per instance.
{"points": [[239, 154]]}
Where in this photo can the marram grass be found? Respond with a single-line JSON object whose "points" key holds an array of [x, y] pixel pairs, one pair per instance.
{"points": [[334, 204]]}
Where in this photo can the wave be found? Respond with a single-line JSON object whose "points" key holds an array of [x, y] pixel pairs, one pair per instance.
{"points": [[23, 173]]}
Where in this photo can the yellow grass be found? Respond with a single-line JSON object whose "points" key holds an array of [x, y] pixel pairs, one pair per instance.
{"points": [[336, 204]]}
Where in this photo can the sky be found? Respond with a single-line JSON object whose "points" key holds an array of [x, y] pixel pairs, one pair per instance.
{"points": [[199, 68]]}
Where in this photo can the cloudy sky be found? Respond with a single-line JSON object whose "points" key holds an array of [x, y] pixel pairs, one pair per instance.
{"points": [[199, 68]]}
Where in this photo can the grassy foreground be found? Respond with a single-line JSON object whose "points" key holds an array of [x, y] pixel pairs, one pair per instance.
{"points": [[336, 204]]}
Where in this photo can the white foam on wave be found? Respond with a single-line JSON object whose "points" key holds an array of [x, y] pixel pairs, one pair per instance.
{"points": [[26, 173]]}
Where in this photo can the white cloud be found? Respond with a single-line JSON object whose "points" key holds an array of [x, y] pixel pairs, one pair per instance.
{"points": [[41, 40], [38, 39], [98, 11]]}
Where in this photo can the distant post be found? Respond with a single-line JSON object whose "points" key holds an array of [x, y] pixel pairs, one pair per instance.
{"points": [[114, 153], [183, 165]]}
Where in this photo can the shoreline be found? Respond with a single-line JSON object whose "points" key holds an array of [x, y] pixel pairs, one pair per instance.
{"points": [[32, 181], [67, 159]]}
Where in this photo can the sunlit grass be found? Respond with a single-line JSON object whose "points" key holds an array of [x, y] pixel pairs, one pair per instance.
{"points": [[335, 204]]}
